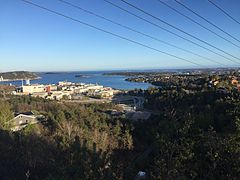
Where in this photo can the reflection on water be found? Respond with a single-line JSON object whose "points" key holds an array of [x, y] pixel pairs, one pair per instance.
{"points": [[117, 82]]}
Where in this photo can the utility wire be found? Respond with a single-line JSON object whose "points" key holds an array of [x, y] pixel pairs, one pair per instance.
{"points": [[209, 22], [171, 32], [192, 20], [108, 32], [221, 9], [136, 31], [139, 9]]}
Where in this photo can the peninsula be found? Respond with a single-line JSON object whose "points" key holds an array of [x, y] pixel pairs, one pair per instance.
{"points": [[17, 75]]}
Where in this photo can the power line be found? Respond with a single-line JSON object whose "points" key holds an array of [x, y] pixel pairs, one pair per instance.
{"points": [[209, 22], [136, 31], [192, 20], [108, 32], [221, 9], [139, 9], [171, 32]]}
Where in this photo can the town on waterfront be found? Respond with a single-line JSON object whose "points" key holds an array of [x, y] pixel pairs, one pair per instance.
{"points": [[120, 90], [131, 102]]}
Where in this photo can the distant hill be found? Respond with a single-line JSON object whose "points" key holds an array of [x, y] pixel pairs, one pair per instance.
{"points": [[17, 75]]}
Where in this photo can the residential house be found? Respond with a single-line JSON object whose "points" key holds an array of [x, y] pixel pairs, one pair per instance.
{"points": [[234, 82], [22, 120], [40, 94], [58, 95]]}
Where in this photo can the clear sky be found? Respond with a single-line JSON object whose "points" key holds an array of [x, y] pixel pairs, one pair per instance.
{"points": [[35, 40]]}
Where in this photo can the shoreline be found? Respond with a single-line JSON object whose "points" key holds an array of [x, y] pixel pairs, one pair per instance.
{"points": [[9, 80]]}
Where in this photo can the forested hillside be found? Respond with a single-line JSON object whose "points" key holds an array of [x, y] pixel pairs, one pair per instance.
{"points": [[16, 75], [189, 136], [76, 142]]}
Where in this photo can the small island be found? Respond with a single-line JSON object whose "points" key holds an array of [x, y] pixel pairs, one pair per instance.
{"points": [[81, 76], [55, 72], [18, 75]]}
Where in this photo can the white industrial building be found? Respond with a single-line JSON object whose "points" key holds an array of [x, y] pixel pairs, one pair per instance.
{"points": [[35, 88]]}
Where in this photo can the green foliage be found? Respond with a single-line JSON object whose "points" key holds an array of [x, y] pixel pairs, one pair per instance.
{"points": [[5, 114], [76, 142], [190, 135], [193, 136]]}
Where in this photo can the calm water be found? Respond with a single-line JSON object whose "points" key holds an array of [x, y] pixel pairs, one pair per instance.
{"points": [[117, 82]]}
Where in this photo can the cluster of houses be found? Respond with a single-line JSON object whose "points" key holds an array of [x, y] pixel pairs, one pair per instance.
{"points": [[233, 81], [65, 90]]}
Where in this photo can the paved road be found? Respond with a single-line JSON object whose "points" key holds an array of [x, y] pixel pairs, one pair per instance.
{"points": [[137, 101]]}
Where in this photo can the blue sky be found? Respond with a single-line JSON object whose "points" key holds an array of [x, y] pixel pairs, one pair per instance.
{"points": [[36, 40]]}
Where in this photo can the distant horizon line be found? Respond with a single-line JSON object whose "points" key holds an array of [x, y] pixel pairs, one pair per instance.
{"points": [[127, 69]]}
